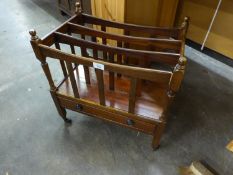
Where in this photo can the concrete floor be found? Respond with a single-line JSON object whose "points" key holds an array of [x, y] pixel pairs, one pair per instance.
{"points": [[34, 140]]}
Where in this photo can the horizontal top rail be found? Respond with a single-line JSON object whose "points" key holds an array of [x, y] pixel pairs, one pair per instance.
{"points": [[162, 57], [136, 72], [161, 31], [158, 43]]}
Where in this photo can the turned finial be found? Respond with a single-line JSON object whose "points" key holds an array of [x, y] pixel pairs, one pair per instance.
{"points": [[32, 32], [185, 22], [78, 8], [186, 19], [182, 61], [181, 64]]}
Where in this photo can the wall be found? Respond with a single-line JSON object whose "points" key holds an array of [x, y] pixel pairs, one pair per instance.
{"points": [[201, 13]]}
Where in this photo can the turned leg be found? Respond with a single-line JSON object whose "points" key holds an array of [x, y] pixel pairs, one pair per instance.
{"points": [[157, 135], [60, 109]]}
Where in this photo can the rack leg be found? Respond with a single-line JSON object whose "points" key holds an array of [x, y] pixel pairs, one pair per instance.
{"points": [[157, 135], [60, 109]]}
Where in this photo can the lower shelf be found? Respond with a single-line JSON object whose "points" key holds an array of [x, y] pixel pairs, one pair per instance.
{"points": [[151, 102]]}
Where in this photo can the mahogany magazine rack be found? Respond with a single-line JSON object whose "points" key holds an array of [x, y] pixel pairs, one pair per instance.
{"points": [[131, 83]]}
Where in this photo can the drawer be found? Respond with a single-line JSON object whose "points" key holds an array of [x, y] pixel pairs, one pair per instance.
{"points": [[108, 115]]}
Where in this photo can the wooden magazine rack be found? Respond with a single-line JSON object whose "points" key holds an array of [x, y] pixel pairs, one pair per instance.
{"points": [[99, 80]]}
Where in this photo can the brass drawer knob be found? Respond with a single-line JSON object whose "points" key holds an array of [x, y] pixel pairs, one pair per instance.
{"points": [[130, 122], [79, 107]]}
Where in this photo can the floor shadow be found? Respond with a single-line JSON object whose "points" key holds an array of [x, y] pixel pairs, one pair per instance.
{"points": [[51, 7]]}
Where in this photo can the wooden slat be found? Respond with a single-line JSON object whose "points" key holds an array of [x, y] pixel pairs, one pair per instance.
{"points": [[71, 46], [119, 56], [103, 29], [72, 79], [93, 39], [162, 57], [132, 95], [159, 44], [95, 51], [111, 74], [95, 54], [62, 63], [137, 72], [86, 68], [100, 80], [104, 42], [126, 45], [161, 31]]}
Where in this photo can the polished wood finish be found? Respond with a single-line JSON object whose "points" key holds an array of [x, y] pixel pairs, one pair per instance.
{"points": [[132, 95], [150, 104], [139, 97], [159, 44], [86, 68], [156, 31], [162, 57], [72, 79], [100, 80]]}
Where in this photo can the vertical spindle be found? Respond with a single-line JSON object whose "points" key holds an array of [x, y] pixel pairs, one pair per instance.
{"points": [[132, 95], [86, 68], [95, 52], [104, 41], [119, 57], [71, 46], [62, 63], [72, 79], [111, 74], [126, 45], [100, 80]]}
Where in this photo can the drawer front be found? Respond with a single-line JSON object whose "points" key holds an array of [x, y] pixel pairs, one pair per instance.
{"points": [[109, 116]]}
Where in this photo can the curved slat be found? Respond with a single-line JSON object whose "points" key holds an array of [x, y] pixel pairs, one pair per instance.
{"points": [[161, 44], [161, 31], [162, 57]]}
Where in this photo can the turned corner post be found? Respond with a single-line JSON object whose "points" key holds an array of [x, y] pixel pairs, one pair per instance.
{"points": [[35, 41], [174, 86], [177, 77]]}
